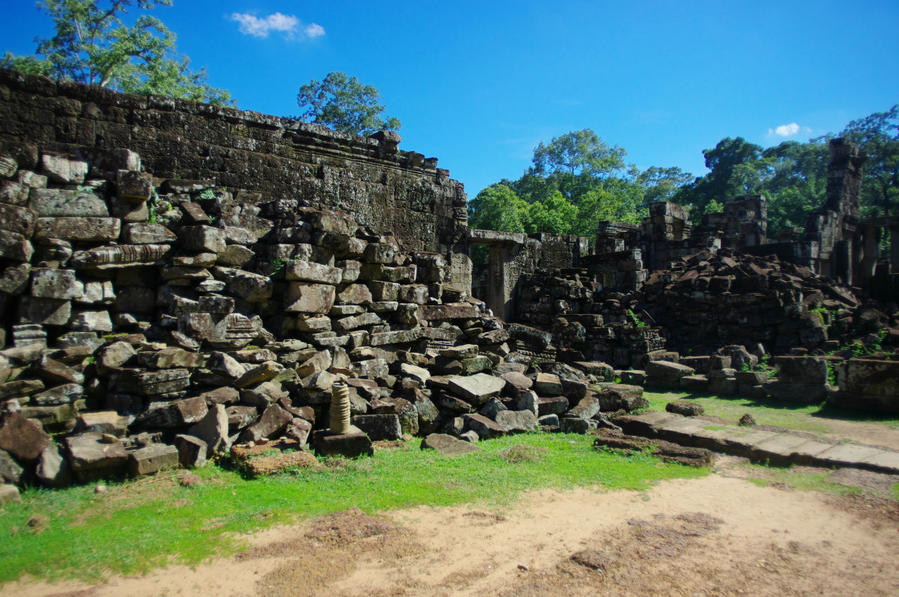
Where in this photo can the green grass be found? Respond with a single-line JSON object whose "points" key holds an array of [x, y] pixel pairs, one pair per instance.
{"points": [[801, 417], [803, 481], [139, 525]]}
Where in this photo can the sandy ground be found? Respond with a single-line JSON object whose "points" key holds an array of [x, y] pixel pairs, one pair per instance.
{"points": [[719, 535]]}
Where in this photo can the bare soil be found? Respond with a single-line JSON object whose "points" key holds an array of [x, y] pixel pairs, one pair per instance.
{"points": [[719, 535]]}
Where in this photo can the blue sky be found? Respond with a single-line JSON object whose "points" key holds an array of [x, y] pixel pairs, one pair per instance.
{"points": [[479, 84]]}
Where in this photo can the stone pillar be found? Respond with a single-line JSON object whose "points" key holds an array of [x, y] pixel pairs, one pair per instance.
{"points": [[870, 251], [502, 277]]}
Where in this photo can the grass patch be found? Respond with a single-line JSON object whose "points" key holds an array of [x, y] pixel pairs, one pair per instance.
{"points": [[803, 481], [139, 525], [812, 418]]}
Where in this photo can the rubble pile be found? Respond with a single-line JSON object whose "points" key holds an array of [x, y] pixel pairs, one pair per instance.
{"points": [[710, 300], [156, 323], [588, 322]]}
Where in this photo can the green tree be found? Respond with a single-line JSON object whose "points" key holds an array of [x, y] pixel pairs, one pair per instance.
{"points": [[555, 215], [733, 165], [94, 46], [498, 208], [344, 104], [878, 137], [578, 152]]}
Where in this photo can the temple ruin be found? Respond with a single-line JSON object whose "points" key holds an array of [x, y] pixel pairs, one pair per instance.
{"points": [[178, 278]]}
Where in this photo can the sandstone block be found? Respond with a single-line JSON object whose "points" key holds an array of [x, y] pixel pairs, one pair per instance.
{"points": [[79, 229], [476, 389], [202, 238], [145, 233], [23, 438], [305, 297], [306, 271]]}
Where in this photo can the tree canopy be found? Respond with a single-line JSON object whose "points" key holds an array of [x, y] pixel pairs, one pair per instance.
{"points": [[344, 104], [577, 180], [93, 45]]}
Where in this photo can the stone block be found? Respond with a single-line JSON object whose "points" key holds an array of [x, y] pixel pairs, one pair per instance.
{"points": [[151, 459], [586, 408], [63, 170], [19, 220], [476, 389], [192, 451], [517, 421], [351, 445], [484, 427], [304, 297], [53, 468], [108, 421], [557, 405], [548, 384], [24, 438], [10, 471], [59, 284], [133, 186], [448, 445], [92, 459], [253, 288], [272, 422], [307, 271], [15, 246], [202, 238], [146, 233], [213, 430], [91, 321], [665, 374], [78, 229], [355, 294], [380, 426], [67, 203], [9, 493], [177, 413]]}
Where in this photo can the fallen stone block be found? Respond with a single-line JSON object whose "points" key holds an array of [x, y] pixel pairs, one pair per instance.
{"points": [[665, 374], [192, 451], [351, 445], [484, 427], [91, 458], [151, 459], [380, 427], [548, 384], [667, 451], [685, 408], [448, 445], [22, 437], [10, 471], [476, 389], [9, 493], [517, 421]]}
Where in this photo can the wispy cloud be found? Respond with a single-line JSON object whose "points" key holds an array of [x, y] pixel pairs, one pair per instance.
{"points": [[784, 130], [288, 25]]}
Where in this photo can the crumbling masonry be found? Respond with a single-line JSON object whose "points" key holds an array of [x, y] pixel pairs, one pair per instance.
{"points": [[180, 281]]}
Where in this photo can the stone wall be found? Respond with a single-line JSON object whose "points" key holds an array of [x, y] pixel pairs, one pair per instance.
{"points": [[256, 158]]}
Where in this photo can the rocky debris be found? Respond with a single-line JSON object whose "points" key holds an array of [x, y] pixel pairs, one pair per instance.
{"points": [[667, 451], [270, 458], [9, 493], [685, 408], [448, 445]]}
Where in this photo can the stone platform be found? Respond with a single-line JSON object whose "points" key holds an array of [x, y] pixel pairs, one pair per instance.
{"points": [[777, 447]]}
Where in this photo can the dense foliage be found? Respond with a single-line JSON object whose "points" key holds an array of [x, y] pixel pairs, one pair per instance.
{"points": [[344, 104], [93, 45], [578, 180]]}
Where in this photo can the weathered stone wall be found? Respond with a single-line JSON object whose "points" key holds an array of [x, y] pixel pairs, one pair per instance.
{"points": [[256, 157]]}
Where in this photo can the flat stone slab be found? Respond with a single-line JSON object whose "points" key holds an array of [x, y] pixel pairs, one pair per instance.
{"points": [[778, 447]]}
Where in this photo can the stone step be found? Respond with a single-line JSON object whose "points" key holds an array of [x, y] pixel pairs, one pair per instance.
{"points": [[779, 448]]}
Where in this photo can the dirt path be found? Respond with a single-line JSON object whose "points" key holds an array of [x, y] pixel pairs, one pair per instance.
{"points": [[719, 535]]}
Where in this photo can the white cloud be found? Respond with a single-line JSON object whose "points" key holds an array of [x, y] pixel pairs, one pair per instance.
{"points": [[784, 130], [289, 25], [314, 30]]}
